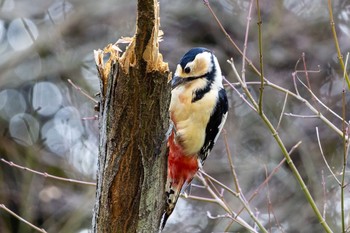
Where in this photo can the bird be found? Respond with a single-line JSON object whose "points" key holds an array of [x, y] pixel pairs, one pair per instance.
{"points": [[198, 111]]}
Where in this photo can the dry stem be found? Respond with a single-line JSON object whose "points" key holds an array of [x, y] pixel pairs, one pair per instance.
{"points": [[44, 174], [2, 206]]}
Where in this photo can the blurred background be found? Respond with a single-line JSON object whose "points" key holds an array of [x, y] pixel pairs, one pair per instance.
{"points": [[47, 125]]}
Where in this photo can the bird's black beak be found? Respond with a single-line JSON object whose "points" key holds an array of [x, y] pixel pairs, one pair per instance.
{"points": [[176, 81]]}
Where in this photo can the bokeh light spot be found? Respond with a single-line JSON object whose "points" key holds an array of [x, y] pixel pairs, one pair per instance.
{"points": [[68, 123], [11, 103], [24, 129], [47, 98], [58, 10], [18, 36]]}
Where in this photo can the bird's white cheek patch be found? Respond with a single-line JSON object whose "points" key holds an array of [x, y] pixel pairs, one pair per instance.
{"points": [[201, 63]]}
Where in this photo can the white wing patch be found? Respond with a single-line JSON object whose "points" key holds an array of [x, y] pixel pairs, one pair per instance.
{"points": [[224, 117]]}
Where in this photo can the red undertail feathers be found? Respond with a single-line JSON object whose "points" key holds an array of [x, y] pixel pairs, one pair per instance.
{"points": [[181, 170]]}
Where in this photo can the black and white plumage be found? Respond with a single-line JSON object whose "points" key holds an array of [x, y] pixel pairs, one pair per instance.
{"points": [[198, 105], [198, 111], [215, 125]]}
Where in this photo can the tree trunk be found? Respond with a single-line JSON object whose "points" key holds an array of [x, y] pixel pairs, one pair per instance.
{"points": [[133, 118]]}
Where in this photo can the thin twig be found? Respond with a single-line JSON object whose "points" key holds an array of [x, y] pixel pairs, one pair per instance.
{"points": [[258, 189], [219, 183], [26, 26], [244, 85], [288, 158], [239, 94], [249, 18], [324, 158], [300, 116], [209, 215], [306, 71], [320, 102], [212, 193], [307, 76], [241, 199], [82, 91], [324, 194], [92, 118], [12, 164], [250, 63], [219, 201], [197, 198], [273, 172], [335, 38], [274, 132], [50, 18], [294, 74], [232, 167], [301, 99], [2, 206], [282, 111], [218, 216], [269, 205], [345, 152], [216, 191], [260, 59], [238, 187], [346, 64]]}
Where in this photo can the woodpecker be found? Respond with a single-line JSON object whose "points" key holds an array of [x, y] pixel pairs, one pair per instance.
{"points": [[198, 111]]}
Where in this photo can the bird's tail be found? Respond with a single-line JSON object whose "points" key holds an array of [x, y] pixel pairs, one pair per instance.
{"points": [[172, 195], [181, 170], [173, 187]]}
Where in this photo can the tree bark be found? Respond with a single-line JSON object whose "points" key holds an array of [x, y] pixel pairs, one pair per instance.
{"points": [[133, 118]]}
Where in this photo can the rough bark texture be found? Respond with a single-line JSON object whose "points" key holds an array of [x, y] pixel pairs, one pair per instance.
{"points": [[133, 122]]}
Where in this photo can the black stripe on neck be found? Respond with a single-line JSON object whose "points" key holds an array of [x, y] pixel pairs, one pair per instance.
{"points": [[189, 79], [199, 93]]}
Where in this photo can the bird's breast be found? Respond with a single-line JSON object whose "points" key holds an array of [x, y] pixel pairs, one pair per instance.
{"points": [[191, 118]]}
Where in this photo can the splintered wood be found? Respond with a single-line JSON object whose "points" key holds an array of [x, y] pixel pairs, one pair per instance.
{"points": [[151, 54], [102, 68]]}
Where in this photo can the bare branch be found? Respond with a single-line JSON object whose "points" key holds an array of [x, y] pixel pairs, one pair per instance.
{"points": [[260, 103], [2, 206], [232, 167], [26, 26], [324, 158], [240, 197], [324, 195], [301, 116], [282, 111], [301, 99], [82, 91], [273, 172], [320, 102], [306, 71], [239, 94], [197, 198], [46, 175], [335, 38], [246, 39], [220, 202]]}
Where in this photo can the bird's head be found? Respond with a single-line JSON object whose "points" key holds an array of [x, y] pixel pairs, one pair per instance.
{"points": [[197, 63]]}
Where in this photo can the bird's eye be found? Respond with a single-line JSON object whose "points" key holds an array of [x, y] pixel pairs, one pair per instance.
{"points": [[187, 70]]}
